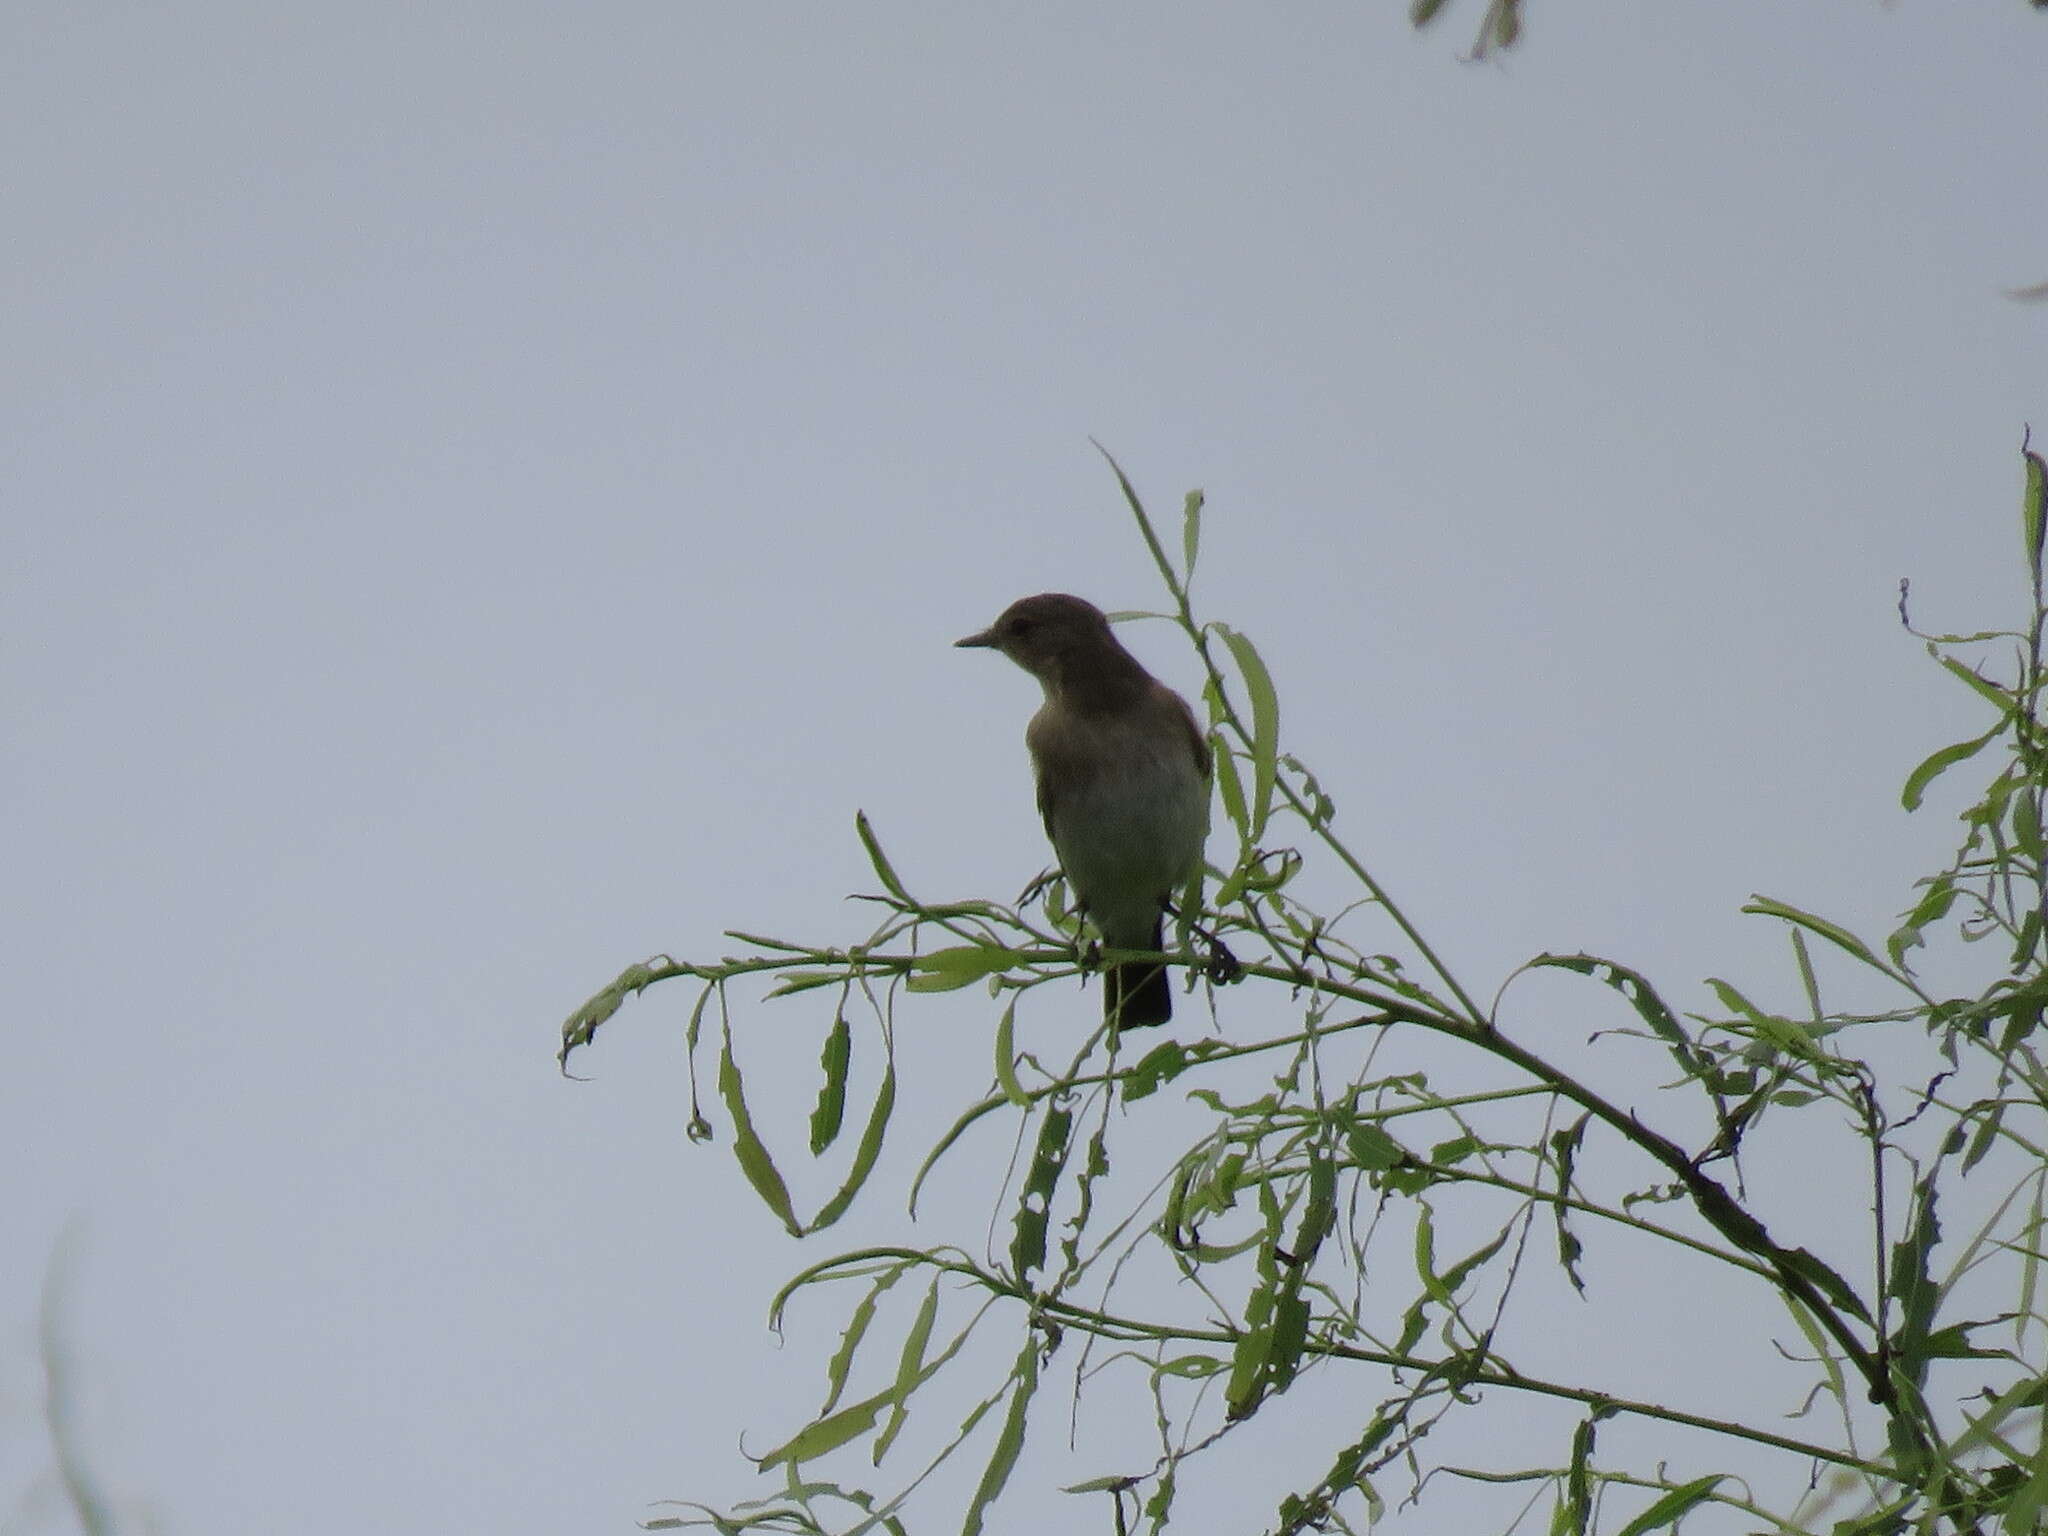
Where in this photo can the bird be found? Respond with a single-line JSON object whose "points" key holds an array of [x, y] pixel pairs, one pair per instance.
{"points": [[1123, 784]]}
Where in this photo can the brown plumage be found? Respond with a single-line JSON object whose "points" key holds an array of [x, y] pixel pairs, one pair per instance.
{"points": [[1123, 783]]}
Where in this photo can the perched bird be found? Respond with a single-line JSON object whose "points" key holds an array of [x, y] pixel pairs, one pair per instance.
{"points": [[1123, 783]]}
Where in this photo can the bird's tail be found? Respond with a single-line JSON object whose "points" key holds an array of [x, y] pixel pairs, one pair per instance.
{"points": [[1137, 994]]}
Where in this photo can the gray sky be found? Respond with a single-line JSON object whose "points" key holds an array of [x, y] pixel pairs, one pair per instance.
{"points": [[489, 490]]}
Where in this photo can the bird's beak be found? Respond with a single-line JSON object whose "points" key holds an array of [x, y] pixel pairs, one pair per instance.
{"points": [[986, 639]]}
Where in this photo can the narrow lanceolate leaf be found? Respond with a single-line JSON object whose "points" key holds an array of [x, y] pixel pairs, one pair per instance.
{"points": [[830, 1112], [1009, 1442], [1913, 1289], [1641, 996], [2031, 513], [1254, 1347], [1939, 763], [841, 1363], [1673, 1505], [828, 1433], [909, 1370], [884, 870], [1834, 933], [747, 1146], [947, 970], [1564, 1148], [1151, 535], [1230, 787], [1190, 534], [1827, 1281], [1978, 684], [1006, 1058], [2026, 822], [1574, 1513], [1265, 705], [865, 1154]]}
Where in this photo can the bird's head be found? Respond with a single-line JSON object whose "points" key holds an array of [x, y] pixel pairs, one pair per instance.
{"points": [[1046, 634]]}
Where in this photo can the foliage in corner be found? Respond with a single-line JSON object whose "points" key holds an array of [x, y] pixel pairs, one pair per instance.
{"points": [[1184, 1229]]}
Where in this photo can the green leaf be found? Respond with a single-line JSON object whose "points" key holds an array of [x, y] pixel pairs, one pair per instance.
{"points": [[1009, 1442], [1151, 535], [841, 1363], [747, 1146], [1452, 1152], [830, 1112], [1912, 1288], [945, 1143], [1825, 1280], [1190, 533], [1637, 992], [1574, 1513], [1939, 763], [1162, 1064], [1668, 1509], [1006, 1058], [2026, 821], [909, 1370], [1252, 1349], [1231, 788], [1034, 1206], [1834, 933], [581, 1025], [2031, 520], [1265, 743], [1371, 1148], [1289, 1337], [947, 970], [1564, 1149], [827, 1434], [1189, 1367], [866, 1153], [1997, 697], [1425, 1256], [884, 870]]}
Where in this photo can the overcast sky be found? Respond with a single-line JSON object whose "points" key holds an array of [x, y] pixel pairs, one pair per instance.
{"points": [[489, 490]]}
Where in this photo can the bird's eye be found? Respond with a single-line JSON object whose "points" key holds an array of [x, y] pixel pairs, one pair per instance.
{"points": [[1022, 627]]}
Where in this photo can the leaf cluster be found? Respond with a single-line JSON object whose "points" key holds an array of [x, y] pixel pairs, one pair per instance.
{"points": [[1203, 1224]]}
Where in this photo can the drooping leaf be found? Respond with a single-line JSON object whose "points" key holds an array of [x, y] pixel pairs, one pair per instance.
{"points": [[1673, 1505], [841, 1363], [1938, 763], [747, 1145], [866, 1153], [830, 1112], [1009, 1441], [909, 1367], [1006, 1058], [1564, 1149]]}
